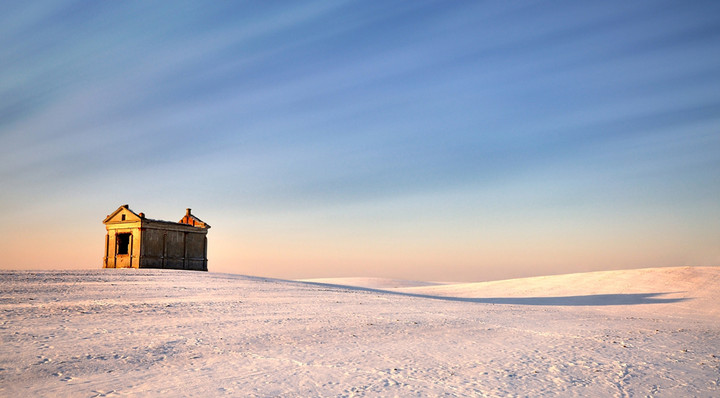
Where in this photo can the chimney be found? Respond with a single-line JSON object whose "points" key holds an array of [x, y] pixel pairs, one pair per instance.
{"points": [[188, 212]]}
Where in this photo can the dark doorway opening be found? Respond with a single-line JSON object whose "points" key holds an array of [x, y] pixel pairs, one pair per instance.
{"points": [[123, 243]]}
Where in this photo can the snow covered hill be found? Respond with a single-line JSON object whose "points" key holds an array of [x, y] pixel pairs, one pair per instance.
{"points": [[651, 332], [692, 291]]}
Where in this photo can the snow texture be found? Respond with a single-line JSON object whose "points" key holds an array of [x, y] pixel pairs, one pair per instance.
{"points": [[650, 332]]}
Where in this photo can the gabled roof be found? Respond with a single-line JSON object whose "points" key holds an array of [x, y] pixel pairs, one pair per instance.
{"points": [[190, 219], [124, 214], [124, 209]]}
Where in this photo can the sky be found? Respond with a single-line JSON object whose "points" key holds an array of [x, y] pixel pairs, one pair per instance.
{"points": [[427, 140]]}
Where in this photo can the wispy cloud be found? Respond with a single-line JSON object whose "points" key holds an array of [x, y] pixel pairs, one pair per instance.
{"points": [[343, 103]]}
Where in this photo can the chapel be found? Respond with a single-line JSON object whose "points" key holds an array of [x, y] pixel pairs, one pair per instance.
{"points": [[134, 241]]}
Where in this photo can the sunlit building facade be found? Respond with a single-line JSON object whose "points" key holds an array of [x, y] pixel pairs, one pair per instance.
{"points": [[134, 241]]}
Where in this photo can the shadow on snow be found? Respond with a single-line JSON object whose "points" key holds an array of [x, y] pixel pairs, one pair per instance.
{"points": [[587, 300]]}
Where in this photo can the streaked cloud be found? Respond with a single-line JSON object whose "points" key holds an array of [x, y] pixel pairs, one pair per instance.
{"points": [[281, 109]]}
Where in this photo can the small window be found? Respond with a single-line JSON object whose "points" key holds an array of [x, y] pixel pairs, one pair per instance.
{"points": [[123, 243], [122, 217]]}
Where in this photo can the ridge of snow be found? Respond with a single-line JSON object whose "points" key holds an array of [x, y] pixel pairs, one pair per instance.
{"points": [[372, 283]]}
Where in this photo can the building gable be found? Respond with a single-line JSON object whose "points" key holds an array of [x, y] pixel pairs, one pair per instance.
{"points": [[190, 219], [121, 215]]}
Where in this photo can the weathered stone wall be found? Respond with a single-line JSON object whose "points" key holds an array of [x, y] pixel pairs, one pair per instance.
{"points": [[173, 249], [195, 251], [152, 254]]}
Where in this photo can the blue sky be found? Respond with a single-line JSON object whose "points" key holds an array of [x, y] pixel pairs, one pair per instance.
{"points": [[424, 139]]}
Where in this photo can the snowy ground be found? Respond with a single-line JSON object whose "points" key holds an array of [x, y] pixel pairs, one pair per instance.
{"points": [[652, 332]]}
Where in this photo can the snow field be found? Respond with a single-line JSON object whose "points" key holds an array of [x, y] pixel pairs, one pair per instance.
{"points": [[651, 332]]}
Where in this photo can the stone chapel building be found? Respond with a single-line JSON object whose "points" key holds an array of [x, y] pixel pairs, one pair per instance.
{"points": [[133, 241]]}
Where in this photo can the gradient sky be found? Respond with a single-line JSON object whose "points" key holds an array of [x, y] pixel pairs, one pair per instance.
{"points": [[435, 140]]}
